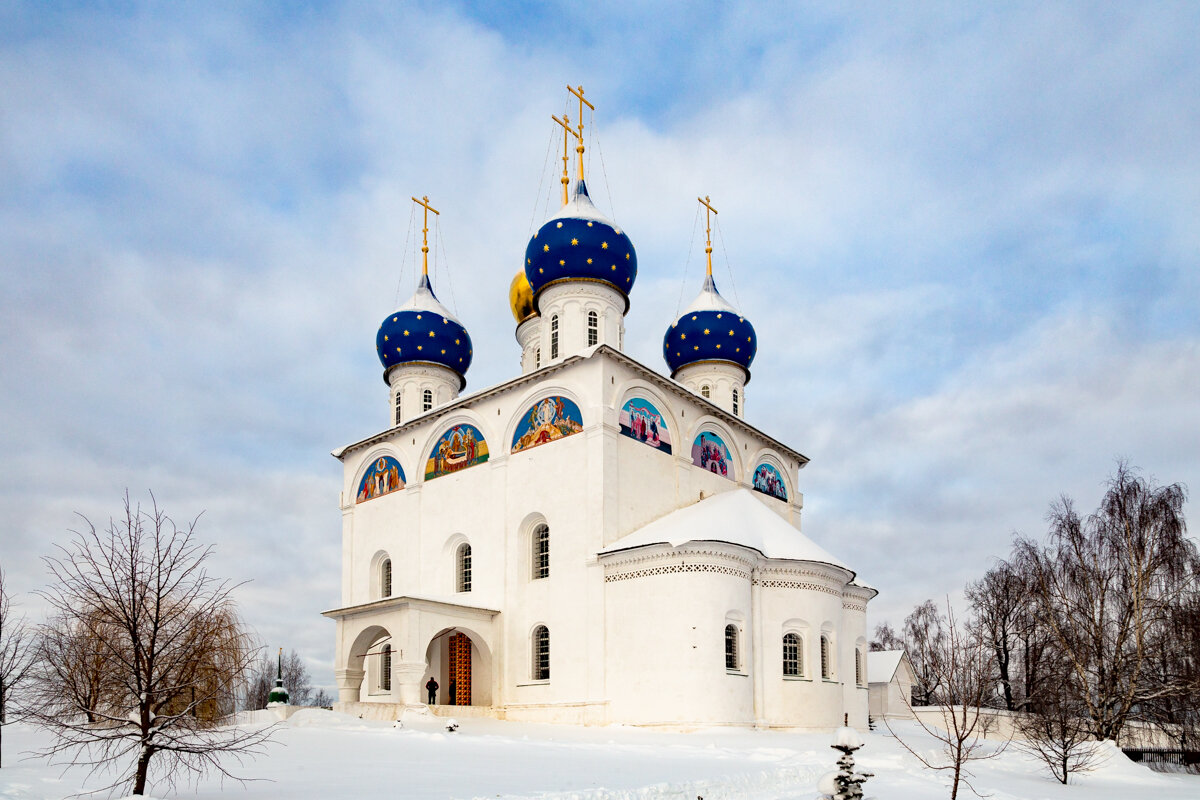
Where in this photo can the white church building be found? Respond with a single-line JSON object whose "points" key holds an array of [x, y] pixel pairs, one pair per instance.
{"points": [[591, 541]]}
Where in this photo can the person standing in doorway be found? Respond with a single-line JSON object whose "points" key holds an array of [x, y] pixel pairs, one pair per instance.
{"points": [[432, 686]]}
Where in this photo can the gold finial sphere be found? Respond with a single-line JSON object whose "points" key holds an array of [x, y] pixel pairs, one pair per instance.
{"points": [[520, 297]]}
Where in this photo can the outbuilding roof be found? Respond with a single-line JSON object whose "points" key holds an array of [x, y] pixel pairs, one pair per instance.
{"points": [[882, 665]]}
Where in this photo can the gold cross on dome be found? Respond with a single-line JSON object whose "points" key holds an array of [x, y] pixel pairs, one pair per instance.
{"points": [[578, 92], [424, 203], [708, 212], [565, 122]]}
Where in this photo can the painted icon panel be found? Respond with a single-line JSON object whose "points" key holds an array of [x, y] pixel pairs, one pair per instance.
{"points": [[710, 452], [547, 420], [641, 420], [385, 475], [768, 481], [458, 448]]}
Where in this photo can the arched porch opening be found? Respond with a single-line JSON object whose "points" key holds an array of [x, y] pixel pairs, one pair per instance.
{"points": [[367, 675], [459, 660]]}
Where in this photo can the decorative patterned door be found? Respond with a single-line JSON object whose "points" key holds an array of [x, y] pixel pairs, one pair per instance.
{"points": [[460, 668]]}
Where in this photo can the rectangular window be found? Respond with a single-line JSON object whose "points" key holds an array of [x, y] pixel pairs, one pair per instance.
{"points": [[541, 654], [385, 668], [731, 648], [593, 328], [791, 655], [826, 671], [554, 337], [398, 416]]}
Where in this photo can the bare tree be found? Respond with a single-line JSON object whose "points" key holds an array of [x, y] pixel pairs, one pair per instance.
{"points": [[886, 638], [137, 598], [957, 664], [16, 650], [1058, 732], [998, 601], [322, 699], [924, 633], [1102, 586]]}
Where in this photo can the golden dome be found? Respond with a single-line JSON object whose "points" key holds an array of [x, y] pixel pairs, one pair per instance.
{"points": [[520, 297]]}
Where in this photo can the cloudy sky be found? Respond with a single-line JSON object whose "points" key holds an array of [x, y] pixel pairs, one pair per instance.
{"points": [[967, 238]]}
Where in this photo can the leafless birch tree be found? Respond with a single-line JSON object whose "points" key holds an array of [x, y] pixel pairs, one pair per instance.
{"points": [[136, 602]]}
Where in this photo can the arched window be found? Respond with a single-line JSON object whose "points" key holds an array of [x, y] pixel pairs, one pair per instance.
{"points": [[731, 648], [705, 391], [541, 653], [427, 399], [541, 552], [385, 578], [826, 666], [464, 568], [792, 665], [858, 667], [399, 416], [735, 403], [554, 337], [385, 668], [593, 328], [537, 358]]}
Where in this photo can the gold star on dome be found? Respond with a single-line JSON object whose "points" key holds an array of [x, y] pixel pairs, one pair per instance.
{"points": [[718, 316], [418, 347], [738, 350], [617, 231], [589, 224], [574, 241], [406, 333], [529, 261], [589, 261], [559, 225], [614, 268], [394, 319], [706, 331], [397, 349], [604, 245], [696, 347], [731, 332], [747, 338], [418, 316], [562, 262], [627, 256], [444, 352], [385, 338], [540, 270], [456, 341], [718, 346], [431, 334], [693, 317], [683, 336], [545, 248], [445, 321]]}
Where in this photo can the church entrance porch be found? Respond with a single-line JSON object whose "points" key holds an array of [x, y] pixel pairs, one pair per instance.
{"points": [[389, 649]]}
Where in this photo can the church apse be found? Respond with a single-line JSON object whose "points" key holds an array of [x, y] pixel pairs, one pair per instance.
{"points": [[710, 452], [385, 475], [460, 447], [642, 421], [546, 421]]}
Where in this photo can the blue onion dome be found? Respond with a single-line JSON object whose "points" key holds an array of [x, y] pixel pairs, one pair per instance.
{"points": [[580, 244], [422, 330], [710, 330]]}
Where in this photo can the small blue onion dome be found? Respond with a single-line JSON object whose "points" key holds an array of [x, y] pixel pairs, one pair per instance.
{"points": [[580, 244], [710, 330], [424, 331]]}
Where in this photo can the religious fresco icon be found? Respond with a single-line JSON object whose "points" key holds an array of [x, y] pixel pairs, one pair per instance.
{"points": [[640, 420], [546, 421], [709, 452], [385, 475], [458, 448], [768, 481]]}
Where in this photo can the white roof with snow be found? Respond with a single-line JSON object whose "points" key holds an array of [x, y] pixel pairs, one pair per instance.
{"points": [[882, 665], [736, 517]]}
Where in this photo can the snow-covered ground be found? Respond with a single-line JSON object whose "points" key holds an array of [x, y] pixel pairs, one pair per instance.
{"points": [[319, 755]]}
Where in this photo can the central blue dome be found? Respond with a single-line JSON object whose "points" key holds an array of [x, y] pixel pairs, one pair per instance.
{"points": [[424, 331], [710, 330], [580, 244]]}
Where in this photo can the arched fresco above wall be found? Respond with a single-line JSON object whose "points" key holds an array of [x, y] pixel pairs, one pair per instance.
{"points": [[768, 481], [710, 452], [385, 475], [547, 420], [641, 420], [458, 448]]}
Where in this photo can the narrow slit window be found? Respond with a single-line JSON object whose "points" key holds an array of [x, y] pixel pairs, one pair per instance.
{"points": [[399, 414], [385, 668], [541, 653], [735, 403], [541, 552], [731, 648], [826, 667], [593, 328], [554, 337], [464, 568], [385, 578]]}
